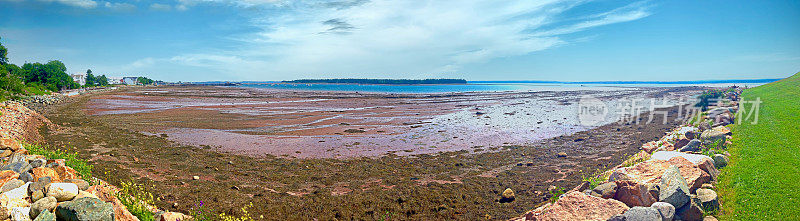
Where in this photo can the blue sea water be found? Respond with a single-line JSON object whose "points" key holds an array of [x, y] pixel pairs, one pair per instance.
{"points": [[492, 86]]}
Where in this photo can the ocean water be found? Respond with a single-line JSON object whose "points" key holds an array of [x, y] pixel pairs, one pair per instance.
{"points": [[481, 86]]}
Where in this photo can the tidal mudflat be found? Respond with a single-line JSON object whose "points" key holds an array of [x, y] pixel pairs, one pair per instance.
{"points": [[346, 155]]}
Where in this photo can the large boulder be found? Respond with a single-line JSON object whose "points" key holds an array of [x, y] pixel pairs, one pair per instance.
{"points": [[696, 159], [46, 216], [65, 173], [642, 214], [85, 209], [674, 189], [578, 206], [14, 198], [681, 143], [649, 172], [605, 190], [48, 203], [707, 199], [666, 210], [692, 146], [40, 172], [82, 184], [105, 192], [689, 212], [714, 135], [703, 162], [720, 160], [633, 194], [20, 214], [62, 191], [10, 185], [7, 175]]}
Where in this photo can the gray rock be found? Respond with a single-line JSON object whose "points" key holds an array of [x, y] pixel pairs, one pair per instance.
{"points": [[720, 160], [693, 145], [674, 189], [85, 209], [12, 184], [26, 177], [713, 135], [17, 166], [38, 163], [47, 203], [639, 213], [605, 190], [707, 199], [617, 218], [39, 185], [666, 210], [82, 184], [654, 190], [690, 211], [45, 216]]}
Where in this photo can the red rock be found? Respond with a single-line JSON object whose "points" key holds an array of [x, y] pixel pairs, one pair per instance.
{"points": [[633, 194], [10, 144], [649, 172], [708, 166], [65, 172], [649, 147], [7, 175], [40, 172], [578, 206]]}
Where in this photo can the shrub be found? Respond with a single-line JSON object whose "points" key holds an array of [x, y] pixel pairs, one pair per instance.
{"points": [[137, 200], [81, 166]]}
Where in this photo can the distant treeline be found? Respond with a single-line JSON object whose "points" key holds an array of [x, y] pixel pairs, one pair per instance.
{"points": [[379, 81]]}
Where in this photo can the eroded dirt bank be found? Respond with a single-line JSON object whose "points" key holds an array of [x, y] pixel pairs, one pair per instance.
{"points": [[457, 184]]}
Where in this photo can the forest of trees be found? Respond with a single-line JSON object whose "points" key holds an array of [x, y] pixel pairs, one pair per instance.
{"points": [[38, 78], [379, 81]]}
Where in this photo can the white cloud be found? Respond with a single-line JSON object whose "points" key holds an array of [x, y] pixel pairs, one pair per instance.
{"points": [[160, 7], [119, 6], [75, 3], [409, 39]]}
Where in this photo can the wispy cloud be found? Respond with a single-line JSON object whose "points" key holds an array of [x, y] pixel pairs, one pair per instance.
{"points": [[395, 38], [160, 7], [75, 3], [121, 6]]}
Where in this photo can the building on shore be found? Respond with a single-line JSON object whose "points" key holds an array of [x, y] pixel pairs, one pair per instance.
{"points": [[130, 80], [79, 78]]}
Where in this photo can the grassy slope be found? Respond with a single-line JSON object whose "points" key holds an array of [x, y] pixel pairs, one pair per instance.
{"points": [[763, 180]]}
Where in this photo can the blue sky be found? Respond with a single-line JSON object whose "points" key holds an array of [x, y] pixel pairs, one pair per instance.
{"points": [[200, 40]]}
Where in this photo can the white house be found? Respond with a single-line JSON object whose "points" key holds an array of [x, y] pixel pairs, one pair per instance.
{"points": [[130, 80], [79, 78]]}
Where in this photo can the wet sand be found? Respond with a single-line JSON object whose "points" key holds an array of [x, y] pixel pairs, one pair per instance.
{"points": [[346, 124], [433, 185]]}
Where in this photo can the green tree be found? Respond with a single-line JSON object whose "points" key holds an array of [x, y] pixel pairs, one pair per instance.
{"points": [[3, 54], [90, 79], [145, 81], [102, 80]]}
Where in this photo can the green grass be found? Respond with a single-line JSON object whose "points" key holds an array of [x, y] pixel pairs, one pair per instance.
{"points": [[71, 159], [762, 182]]}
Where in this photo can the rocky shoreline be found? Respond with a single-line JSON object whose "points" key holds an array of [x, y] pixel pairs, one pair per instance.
{"points": [[35, 187], [672, 178]]}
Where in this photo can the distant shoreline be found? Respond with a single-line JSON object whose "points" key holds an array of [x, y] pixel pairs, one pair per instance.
{"points": [[733, 81], [378, 81]]}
